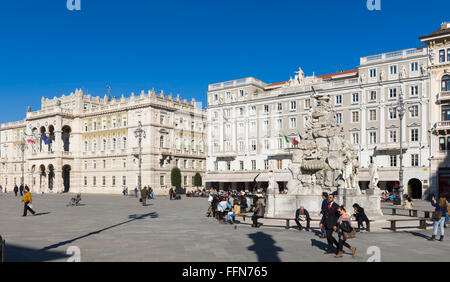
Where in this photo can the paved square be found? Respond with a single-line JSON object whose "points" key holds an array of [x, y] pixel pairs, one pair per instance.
{"points": [[116, 228]]}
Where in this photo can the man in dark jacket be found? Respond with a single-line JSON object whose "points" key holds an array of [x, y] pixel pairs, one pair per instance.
{"points": [[21, 189], [329, 221], [322, 212], [302, 214], [171, 193], [16, 190]]}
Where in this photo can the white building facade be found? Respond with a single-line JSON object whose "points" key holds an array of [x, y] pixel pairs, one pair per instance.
{"points": [[93, 146], [249, 120]]}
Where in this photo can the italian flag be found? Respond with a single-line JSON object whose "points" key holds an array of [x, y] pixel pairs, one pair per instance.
{"points": [[291, 140], [29, 140]]}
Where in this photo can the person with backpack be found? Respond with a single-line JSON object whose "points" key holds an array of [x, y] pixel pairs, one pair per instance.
{"points": [[439, 217]]}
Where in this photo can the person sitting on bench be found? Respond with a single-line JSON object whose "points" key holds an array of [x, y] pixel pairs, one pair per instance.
{"points": [[302, 215], [258, 213], [361, 217]]}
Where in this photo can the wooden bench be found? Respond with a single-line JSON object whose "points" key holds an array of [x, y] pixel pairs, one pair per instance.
{"points": [[394, 211], [288, 220], [422, 223]]}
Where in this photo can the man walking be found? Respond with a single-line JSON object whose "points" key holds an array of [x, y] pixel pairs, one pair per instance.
{"points": [[171, 193], [27, 203], [329, 221], [16, 190], [322, 212], [144, 196], [21, 190], [302, 215]]}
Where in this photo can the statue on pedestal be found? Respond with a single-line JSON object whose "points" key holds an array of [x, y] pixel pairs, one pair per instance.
{"points": [[374, 178]]}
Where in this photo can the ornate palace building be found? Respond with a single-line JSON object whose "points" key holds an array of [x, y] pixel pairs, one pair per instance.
{"points": [[438, 44], [252, 125], [84, 144]]}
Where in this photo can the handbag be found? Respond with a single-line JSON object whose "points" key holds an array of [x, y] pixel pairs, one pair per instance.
{"points": [[437, 215], [349, 235]]}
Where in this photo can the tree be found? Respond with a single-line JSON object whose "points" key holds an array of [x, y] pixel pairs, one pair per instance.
{"points": [[198, 181], [176, 177]]}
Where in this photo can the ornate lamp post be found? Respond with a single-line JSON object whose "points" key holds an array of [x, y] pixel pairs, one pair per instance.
{"points": [[139, 133], [22, 149], [401, 110]]}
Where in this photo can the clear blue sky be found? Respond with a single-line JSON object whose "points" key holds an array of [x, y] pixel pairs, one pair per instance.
{"points": [[182, 46]]}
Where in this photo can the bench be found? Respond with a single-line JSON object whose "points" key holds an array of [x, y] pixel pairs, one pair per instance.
{"points": [[422, 223], [394, 211]]}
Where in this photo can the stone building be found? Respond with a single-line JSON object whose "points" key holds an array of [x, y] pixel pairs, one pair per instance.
{"points": [[252, 125], [80, 143], [438, 44]]}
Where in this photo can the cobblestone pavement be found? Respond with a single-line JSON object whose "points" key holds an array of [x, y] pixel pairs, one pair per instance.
{"points": [[116, 228]]}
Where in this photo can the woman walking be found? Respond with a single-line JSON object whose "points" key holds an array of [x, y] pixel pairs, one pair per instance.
{"points": [[439, 217], [344, 225], [27, 202]]}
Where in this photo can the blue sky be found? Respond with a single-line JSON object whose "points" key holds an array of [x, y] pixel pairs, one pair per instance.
{"points": [[182, 46]]}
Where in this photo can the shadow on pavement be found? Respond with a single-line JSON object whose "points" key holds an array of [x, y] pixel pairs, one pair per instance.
{"points": [[319, 244], [264, 247], [132, 218], [14, 253]]}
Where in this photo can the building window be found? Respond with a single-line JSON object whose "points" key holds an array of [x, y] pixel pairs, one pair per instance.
{"points": [[445, 83], [415, 135], [293, 123], [113, 181], [393, 159], [124, 180], [392, 113], [355, 116], [392, 92], [266, 164], [307, 103], [279, 124], [445, 111], [161, 141], [414, 66], [241, 165], [372, 115], [280, 107], [339, 118], [441, 56], [373, 95], [253, 145], [104, 163], [228, 165], [442, 143], [373, 73], [85, 181], [355, 138], [414, 90], [266, 108], [372, 137], [266, 144], [94, 181], [392, 136], [414, 111], [162, 180], [355, 97], [338, 99], [393, 69], [414, 160], [241, 92], [279, 164], [253, 164], [293, 105], [266, 125]]}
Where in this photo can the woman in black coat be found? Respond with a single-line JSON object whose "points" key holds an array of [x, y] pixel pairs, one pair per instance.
{"points": [[344, 225], [361, 217]]}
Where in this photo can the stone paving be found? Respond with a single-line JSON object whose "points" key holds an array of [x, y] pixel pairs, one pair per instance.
{"points": [[115, 228]]}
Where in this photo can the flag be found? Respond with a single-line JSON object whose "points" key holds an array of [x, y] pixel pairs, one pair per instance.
{"points": [[287, 139], [31, 141], [301, 137], [294, 142], [40, 144], [45, 138], [334, 112]]}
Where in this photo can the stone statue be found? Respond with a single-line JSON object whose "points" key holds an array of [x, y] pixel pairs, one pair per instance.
{"points": [[273, 185], [374, 178]]}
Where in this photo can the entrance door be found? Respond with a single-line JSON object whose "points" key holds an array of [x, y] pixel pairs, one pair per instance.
{"points": [[415, 188], [444, 185], [66, 178]]}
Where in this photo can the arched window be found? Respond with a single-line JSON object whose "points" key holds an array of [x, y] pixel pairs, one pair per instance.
{"points": [[94, 146], [86, 146], [114, 143], [124, 142], [445, 83], [105, 143]]}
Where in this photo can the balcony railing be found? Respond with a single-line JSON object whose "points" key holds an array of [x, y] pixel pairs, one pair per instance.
{"points": [[444, 95]]}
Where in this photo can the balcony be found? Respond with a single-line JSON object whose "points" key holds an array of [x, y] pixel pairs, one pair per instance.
{"points": [[443, 96], [225, 154], [279, 152], [392, 147], [443, 126]]}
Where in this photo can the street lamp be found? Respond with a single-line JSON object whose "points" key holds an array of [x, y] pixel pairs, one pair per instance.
{"points": [[139, 133], [401, 110], [22, 149]]}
